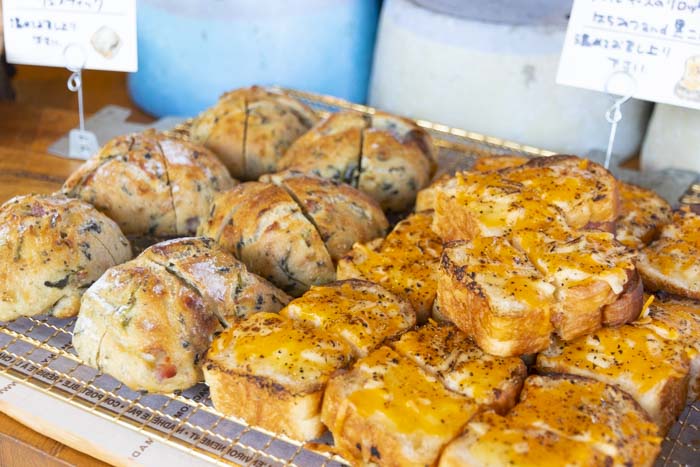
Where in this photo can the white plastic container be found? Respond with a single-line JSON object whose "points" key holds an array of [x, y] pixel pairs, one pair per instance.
{"points": [[490, 67]]}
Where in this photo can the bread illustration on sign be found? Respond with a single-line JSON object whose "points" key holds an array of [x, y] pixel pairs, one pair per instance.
{"points": [[291, 232], [150, 184], [272, 369], [387, 157], [250, 129], [149, 322], [52, 248]]}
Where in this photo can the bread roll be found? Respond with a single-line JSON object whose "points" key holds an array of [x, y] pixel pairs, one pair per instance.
{"points": [[148, 322], [51, 249], [388, 157], [290, 235], [251, 128], [150, 184]]}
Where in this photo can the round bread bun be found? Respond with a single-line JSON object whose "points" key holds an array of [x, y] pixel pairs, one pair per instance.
{"points": [[251, 128], [151, 184], [290, 231], [148, 322], [387, 157], [51, 249]]}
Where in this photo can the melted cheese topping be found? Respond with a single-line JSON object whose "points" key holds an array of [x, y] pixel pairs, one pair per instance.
{"points": [[406, 262], [361, 314], [411, 401], [286, 351], [641, 213], [677, 253]]}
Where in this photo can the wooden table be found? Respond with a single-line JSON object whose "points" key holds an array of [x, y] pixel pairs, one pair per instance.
{"points": [[44, 110]]}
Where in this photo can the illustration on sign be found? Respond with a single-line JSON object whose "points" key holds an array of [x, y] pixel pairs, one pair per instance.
{"points": [[689, 85]]}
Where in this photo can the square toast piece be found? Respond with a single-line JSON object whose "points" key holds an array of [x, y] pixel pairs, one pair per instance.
{"points": [[492, 292], [560, 420], [361, 313], [272, 371], [405, 262], [448, 354], [388, 411], [672, 263], [642, 214], [646, 359]]}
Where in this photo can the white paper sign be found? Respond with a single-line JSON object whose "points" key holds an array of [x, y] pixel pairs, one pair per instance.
{"points": [[656, 41], [90, 34]]}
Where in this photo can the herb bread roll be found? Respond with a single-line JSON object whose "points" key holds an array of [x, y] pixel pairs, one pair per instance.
{"points": [[251, 128], [148, 322], [51, 249], [150, 184], [387, 157], [290, 233]]}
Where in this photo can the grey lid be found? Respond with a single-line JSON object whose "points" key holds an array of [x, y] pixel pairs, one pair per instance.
{"points": [[515, 12]]}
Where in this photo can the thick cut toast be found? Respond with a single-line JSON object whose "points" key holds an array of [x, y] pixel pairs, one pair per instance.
{"points": [[642, 214], [405, 262], [491, 291], [547, 191], [272, 371], [361, 313], [560, 420], [648, 360], [684, 316], [449, 355], [672, 263], [590, 271], [386, 410]]}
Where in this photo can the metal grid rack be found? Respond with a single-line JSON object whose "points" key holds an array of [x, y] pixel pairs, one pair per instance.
{"points": [[38, 352]]}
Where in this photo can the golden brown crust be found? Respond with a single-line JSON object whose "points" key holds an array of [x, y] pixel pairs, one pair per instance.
{"points": [[628, 304], [51, 249], [340, 213], [388, 411], [272, 371], [251, 128], [489, 163], [672, 263], [145, 327], [150, 184], [642, 214], [561, 420], [405, 263], [331, 149], [264, 228]]}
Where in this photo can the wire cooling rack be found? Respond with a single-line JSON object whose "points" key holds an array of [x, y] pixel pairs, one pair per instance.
{"points": [[38, 352]]}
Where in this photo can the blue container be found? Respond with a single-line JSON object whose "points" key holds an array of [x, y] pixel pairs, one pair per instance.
{"points": [[190, 52]]}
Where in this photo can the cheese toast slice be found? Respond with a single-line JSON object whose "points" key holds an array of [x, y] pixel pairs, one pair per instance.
{"points": [[361, 313], [648, 360], [642, 214], [672, 263], [560, 420], [449, 355], [405, 262], [491, 291], [272, 371], [387, 411], [590, 271]]}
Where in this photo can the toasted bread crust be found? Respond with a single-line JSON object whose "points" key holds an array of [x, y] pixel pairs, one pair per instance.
{"points": [[642, 214]]}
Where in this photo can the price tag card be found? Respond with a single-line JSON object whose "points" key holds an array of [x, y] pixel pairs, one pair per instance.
{"points": [[90, 34], [656, 41]]}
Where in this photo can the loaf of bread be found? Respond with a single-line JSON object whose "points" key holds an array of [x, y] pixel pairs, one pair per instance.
{"points": [[290, 233], [388, 411], [561, 420], [150, 184], [51, 249], [642, 214], [388, 157], [251, 128], [148, 322], [405, 262], [561, 191], [648, 360], [272, 372], [672, 263]]}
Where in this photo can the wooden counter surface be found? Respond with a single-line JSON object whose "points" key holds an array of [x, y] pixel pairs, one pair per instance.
{"points": [[43, 112]]}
